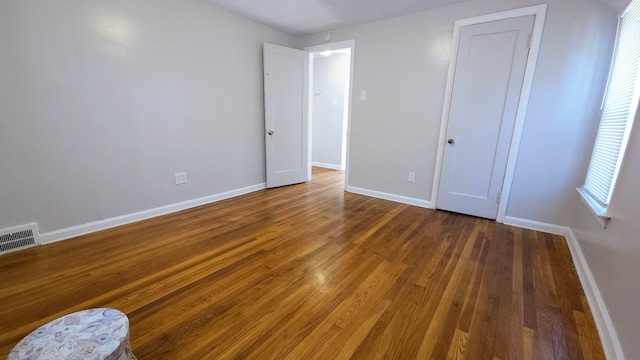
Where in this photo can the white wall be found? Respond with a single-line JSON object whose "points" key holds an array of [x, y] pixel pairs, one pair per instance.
{"points": [[564, 110], [402, 63], [613, 255], [330, 77], [101, 102]]}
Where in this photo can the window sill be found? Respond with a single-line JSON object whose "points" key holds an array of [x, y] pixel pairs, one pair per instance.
{"points": [[598, 210]]}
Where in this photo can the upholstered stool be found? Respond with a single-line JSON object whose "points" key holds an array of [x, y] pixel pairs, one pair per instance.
{"points": [[95, 334]]}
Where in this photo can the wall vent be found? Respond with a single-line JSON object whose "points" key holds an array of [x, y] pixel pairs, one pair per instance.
{"points": [[18, 238]]}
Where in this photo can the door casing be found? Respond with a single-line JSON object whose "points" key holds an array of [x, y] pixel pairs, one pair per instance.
{"points": [[539, 11]]}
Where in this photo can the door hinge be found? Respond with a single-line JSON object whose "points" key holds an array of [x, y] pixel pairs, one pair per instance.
{"points": [[530, 43], [499, 197]]}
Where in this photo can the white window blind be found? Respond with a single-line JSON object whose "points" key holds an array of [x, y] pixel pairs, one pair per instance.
{"points": [[619, 108]]}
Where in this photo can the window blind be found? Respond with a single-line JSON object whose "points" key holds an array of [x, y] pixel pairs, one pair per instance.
{"points": [[619, 108]]}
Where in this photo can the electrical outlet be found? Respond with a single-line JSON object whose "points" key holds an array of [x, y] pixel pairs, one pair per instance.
{"points": [[181, 178], [411, 177]]}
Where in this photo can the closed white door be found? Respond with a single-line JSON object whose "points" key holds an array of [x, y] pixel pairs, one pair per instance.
{"points": [[489, 74], [286, 106]]}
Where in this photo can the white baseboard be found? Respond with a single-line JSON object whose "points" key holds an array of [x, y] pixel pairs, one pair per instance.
{"points": [[608, 335], [327, 166], [390, 197], [536, 225], [73, 231]]}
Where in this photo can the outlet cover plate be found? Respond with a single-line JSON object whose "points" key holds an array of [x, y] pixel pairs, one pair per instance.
{"points": [[181, 178]]}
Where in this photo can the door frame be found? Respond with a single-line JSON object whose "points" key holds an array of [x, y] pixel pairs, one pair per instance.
{"points": [[539, 11], [347, 44]]}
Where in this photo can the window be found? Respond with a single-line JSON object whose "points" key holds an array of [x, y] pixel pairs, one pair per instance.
{"points": [[618, 111]]}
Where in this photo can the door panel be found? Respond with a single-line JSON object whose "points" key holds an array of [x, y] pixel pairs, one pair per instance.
{"points": [[286, 95], [489, 73]]}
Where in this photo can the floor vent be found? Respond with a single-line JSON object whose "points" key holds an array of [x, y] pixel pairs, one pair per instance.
{"points": [[18, 238]]}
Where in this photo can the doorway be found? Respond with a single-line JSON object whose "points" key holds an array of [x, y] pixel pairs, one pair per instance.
{"points": [[330, 101], [331, 74], [288, 94]]}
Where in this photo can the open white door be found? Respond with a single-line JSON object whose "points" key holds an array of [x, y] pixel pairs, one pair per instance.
{"points": [[286, 108], [489, 74]]}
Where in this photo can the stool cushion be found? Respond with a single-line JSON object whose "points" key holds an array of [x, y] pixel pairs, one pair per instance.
{"points": [[94, 334]]}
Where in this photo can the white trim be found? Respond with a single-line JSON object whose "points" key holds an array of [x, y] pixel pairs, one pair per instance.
{"points": [[606, 330], [598, 210], [351, 44], [327, 166], [536, 225], [608, 334], [73, 231], [539, 11], [391, 197], [331, 46]]}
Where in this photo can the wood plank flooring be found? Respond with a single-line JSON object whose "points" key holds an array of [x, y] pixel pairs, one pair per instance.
{"points": [[311, 272]]}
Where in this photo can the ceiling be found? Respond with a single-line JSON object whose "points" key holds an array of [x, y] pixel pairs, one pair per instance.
{"points": [[303, 17]]}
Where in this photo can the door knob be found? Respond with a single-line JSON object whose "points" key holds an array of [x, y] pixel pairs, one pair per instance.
{"points": [[270, 132], [450, 141]]}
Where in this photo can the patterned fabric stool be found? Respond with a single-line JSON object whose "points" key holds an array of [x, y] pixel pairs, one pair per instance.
{"points": [[95, 334]]}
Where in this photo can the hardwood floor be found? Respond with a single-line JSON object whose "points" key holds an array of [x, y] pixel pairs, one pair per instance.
{"points": [[309, 271]]}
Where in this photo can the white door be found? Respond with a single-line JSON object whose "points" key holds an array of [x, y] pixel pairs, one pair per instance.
{"points": [[286, 108], [489, 74]]}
